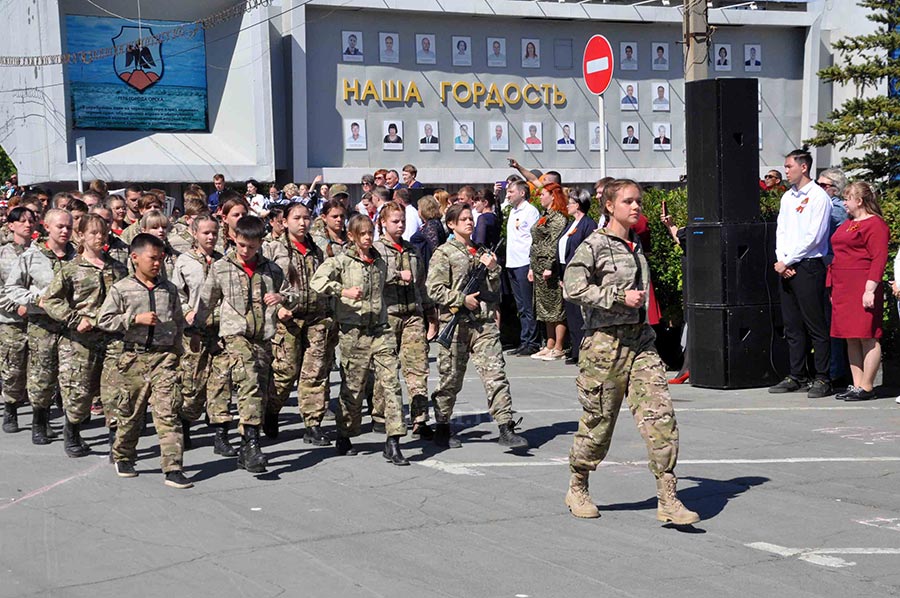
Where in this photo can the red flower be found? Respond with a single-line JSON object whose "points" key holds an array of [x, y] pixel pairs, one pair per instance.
{"points": [[542, 221]]}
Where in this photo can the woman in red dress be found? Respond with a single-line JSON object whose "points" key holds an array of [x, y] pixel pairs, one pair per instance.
{"points": [[857, 298]]}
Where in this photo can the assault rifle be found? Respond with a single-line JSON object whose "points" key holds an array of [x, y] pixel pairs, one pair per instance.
{"points": [[473, 282]]}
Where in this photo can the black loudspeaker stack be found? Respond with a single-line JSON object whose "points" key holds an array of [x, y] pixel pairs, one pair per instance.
{"points": [[735, 335]]}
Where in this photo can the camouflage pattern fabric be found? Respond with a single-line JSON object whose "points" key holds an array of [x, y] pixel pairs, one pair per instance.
{"points": [[14, 364], [79, 372], [243, 364], [409, 334]]}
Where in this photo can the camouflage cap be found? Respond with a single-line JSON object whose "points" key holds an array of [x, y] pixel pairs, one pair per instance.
{"points": [[339, 189]]}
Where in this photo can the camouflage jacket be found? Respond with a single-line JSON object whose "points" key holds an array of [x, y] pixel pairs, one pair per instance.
{"points": [[6, 235], [32, 274], [300, 268], [9, 255], [130, 297], [191, 269], [545, 241], [238, 298], [330, 248], [350, 270], [403, 298], [118, 250], [180, 238], [79, 288], [600, 272], [447, 273], [133, 230]]}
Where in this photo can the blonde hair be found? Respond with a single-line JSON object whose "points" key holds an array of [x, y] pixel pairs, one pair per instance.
{"points": [[429, 208], [154, 219], [866, 193], [443, 199]]}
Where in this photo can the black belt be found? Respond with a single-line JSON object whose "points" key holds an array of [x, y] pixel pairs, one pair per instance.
{"points": [[135, 348]]}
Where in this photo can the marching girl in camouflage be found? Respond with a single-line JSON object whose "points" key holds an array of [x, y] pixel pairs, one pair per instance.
{"points": [[609, 277], [74, 299], [180, 235], [333, 241], [477, 337], [156, 223], [305, 336], [13, 327], [191, 269], [404, 297], [232, 207], [357, 278]]}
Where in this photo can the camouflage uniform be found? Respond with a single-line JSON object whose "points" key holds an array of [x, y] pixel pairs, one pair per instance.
{"points": [[6, 235], [147, 365], [330, 248], [618, 358], [77, 291], [180, 238], [477, 336], [366, 342], [29, 277], [246, 325], [133, 230], [168, 263], [548, 303], [304, 345], [404, 301], [199, 343], [118, 250], [13, 335]]}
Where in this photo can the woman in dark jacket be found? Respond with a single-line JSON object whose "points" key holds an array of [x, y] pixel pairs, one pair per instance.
{"points": [[487, 227], [578, 206], [428, 238]]}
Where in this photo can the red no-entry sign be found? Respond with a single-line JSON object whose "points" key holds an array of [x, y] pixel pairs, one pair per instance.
{"points": [[597, 65]]}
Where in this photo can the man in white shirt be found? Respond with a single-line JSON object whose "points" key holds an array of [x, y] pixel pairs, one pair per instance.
{"points": [[522, 217], [801, 243]]}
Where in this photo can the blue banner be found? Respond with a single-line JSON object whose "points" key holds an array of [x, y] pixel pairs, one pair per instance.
{"points": [[148, 81]]}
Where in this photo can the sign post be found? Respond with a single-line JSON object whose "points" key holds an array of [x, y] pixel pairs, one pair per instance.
{"points": [[597, 69], [80, 155]]}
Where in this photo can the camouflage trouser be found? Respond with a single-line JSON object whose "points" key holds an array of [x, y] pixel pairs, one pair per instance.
{"points": [[194, 371], [43, 362], [153, 378], [409, 333], [619, 362], [481, 340], [79, 372], [303, 348], [14, 362], [363, 351], [246, 364], [111, 383]]}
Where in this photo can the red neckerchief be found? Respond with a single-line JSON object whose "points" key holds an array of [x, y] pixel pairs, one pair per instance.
{"points": [[472, 250], [367, 258], [398, 247], [300, 247], [250, 269]]}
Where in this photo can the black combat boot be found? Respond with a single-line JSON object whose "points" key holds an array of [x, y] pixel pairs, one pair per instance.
{"points": [[111, 440], [270, 425], [48, 429], [315, 436], [186, 434], [509, 438], [443, 438], [72, 440], [345, 447], [11, 418], [250, 456], [39, 426], [423, 431], [221, 446], [392, 451]]}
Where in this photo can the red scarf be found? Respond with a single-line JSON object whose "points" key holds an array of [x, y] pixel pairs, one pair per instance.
{"points": [[250, 268], [300, 247]]}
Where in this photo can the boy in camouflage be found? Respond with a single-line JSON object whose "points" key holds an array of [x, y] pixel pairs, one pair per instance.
{"points": [[304, 337], [13, 327], [608, 277], [244, 289], [477, 336], [404, 296], [356, 278], [191, 269], [26, 283], [180, 236], [144, 308], [73, 299]]}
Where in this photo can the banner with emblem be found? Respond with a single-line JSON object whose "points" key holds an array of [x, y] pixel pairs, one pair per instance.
{"points": [[150, 80]]}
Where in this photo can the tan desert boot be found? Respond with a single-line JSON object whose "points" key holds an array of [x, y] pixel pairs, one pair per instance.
{"points": [[669, 508], [578, 499]]}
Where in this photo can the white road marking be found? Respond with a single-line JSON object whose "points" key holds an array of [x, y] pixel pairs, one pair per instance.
{"points": [[825, 557], [892, 524], [696, 410], [597, 65]]}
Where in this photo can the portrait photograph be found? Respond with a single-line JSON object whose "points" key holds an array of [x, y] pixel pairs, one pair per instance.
{"points": [[628, 96], [425, 51], [752, 58], [462, 50], [531, 53], [463, 140], [429, 139], [389, 48], [631, 141], [393, 135], [354, 134], [660, 58], [496, 52], [565, 136], [499, 141], [628, 56], [660, 102], [352, 46], [595, 141], [533, 134], [662, 137], [722, 57]]}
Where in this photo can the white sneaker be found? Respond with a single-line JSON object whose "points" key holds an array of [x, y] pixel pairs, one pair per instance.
{"points": [[897, 400], [540, 354], [554, 355]]}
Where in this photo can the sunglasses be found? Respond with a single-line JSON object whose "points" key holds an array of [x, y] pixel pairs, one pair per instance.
{"points": [[770, 176], [826, 185]]}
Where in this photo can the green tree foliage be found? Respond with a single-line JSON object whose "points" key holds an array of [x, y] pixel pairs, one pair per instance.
{"points": [[6, 166]]}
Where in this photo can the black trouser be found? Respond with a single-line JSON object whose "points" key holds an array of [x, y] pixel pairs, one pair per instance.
{"points": [[803, 309]]}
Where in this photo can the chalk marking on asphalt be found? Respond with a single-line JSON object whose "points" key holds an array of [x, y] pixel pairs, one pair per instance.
{"points": [[825, 557], [49, 487], [471, 469], [695, 409]]}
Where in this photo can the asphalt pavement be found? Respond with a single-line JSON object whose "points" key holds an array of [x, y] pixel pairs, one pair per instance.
{"points": [[798, 498]]}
